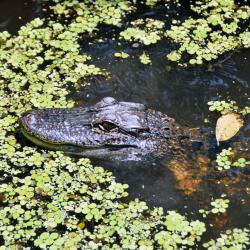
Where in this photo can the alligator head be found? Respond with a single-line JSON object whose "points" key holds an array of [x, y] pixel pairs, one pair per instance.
{"points": [[108, 128]]}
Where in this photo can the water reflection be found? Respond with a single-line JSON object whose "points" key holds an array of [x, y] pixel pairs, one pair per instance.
{"points": [[169, 91]]}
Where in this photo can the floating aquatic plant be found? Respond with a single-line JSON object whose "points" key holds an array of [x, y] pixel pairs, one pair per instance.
{"points": [[219, 29], [87, 16], [144, 58], [217, 206], [83, 200], [224, 160], [36, 66], [38, 62], [223, 106], [226, 107], [231, 239], [184, 232], [148, 31], [122, 55], [48, 200]]}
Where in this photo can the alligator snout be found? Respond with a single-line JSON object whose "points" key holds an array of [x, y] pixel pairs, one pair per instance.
{"points": [[30, 120]]}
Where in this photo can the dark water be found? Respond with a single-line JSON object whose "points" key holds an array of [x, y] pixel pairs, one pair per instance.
{"points": [[180, 93], [15, 13]]}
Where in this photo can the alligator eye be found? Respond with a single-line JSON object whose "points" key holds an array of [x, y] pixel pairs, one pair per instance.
{"points": [[107, 126], [134, 132]]}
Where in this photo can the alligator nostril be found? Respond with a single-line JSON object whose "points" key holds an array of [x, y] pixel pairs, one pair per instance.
{"points": [[29, 119]]}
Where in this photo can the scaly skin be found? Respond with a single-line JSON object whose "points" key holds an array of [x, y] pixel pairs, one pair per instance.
{"points": [[110, 128]]}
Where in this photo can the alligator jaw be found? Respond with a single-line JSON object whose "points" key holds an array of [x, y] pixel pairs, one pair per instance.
{"points": [[124, 153], [34, 126]]}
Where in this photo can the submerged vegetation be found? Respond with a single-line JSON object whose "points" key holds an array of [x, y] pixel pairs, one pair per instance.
{"points": [[51, 201]]}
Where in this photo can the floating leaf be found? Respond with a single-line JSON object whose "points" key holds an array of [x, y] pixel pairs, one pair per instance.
{"points": [[228, 126]]}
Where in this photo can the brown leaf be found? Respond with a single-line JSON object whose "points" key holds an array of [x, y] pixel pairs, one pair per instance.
{"points": [[228, 126]]}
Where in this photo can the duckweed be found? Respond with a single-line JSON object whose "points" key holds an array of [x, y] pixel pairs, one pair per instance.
{"points": [[227, 106], [231, 239], [45, 59], [86, 16], [223, 106], [182, 231], [122, 55], [219, 29], [48, 200], [144, 58], [62, 194], [152, 3], [148, 31], [217, 206], [224, 160]]}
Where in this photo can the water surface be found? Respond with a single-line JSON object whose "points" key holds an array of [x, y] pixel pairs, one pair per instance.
{"points": [[181, 93]]}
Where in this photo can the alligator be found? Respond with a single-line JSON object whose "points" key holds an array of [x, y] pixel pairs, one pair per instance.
{"points": [[122, 130]]}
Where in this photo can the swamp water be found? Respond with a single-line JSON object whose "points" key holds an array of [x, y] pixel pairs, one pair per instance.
{"points": [[182, 94]]}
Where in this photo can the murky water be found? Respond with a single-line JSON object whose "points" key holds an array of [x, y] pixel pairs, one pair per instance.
{"points": [[180, 93], [15, 13]]}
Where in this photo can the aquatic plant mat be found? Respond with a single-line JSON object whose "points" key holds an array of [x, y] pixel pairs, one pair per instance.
{"points": [[52, 201]]}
